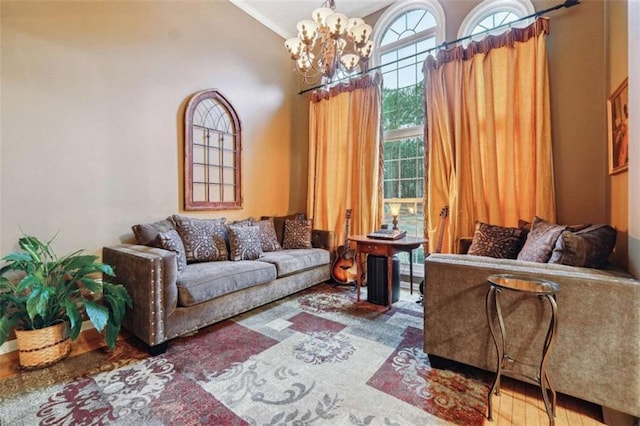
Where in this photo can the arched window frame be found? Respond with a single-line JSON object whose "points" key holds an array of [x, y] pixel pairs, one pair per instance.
{"points": [[520, 8], [224, 201], [399, 8]]}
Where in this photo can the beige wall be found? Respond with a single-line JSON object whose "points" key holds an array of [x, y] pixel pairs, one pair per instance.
{"points": [[93, 96]]}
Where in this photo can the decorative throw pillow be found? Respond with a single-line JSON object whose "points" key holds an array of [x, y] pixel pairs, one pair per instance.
{"points": [[146, 233], [540, 241], [279, 221], [244, 222], [496, 241], [171, 241], [244, 242], [570, 249], [297, 234], [268, 237], [600, 240], [203, 239]]}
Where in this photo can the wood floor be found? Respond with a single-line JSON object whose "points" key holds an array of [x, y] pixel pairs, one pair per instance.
{"points": [[519, 403]]}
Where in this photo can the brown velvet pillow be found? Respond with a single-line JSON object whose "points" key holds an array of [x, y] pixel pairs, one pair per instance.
{"points": [[297, 234], [146, 233], [496, 241], [204, 240], [268, 237], [570, 249], [171, 241], [600, 240], [540, 241], [244, 242]]}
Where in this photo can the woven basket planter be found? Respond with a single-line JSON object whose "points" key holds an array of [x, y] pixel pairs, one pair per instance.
{"points": [[43, 347]]}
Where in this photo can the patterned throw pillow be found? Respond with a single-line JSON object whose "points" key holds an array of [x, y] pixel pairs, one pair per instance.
{"points": [[297, 234], [279, 221], [244, 242], [540, 241], [204, 239], [268, 237], [171, 241], [496, 241], [146, 233]]}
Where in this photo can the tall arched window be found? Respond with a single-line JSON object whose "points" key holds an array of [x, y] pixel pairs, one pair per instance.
{"points": [[494, 14], [402, 34]]}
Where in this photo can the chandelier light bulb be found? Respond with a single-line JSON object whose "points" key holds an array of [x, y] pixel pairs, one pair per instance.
{"points": [[350, 61], [329, 45], [354, 22], [320, 15], [337, 24], [360, 33], [366, 50], [295, 47], [307, 31]]}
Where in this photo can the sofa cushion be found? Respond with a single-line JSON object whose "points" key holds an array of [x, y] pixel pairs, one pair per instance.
{"points": [[268, 237], [204, 239], [496, 241], [171, 241], [540, 241], [200, 282], [297, 234], [146, 233], [244, 242], [288, 262]]}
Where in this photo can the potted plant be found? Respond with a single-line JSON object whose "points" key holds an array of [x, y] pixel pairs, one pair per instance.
{"points": [[43, 297]]}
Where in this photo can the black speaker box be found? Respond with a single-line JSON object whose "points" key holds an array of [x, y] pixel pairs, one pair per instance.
{"points": [[377, 280]]}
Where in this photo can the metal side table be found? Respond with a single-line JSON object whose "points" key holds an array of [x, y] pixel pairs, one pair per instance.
{"points": [[545, 290]]}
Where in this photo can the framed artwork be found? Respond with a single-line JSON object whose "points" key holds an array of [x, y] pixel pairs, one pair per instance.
{"points": [[618, 129]]}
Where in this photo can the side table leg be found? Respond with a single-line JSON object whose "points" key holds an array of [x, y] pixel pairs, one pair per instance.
{"points": [[358, 276], [495, 387], [545, 384], [410, 273]]}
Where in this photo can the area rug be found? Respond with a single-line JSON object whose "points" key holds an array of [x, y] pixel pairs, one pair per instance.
{"points": [[315, 358]]}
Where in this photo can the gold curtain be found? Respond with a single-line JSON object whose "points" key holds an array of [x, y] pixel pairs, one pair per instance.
{"points": [[489, 133], [344, 157]]}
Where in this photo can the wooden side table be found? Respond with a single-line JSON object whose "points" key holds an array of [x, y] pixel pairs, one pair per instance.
{"points": [[387, 248], [544, 290]]}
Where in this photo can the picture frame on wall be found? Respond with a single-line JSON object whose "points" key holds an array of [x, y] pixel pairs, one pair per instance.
{"points": [[618, 128]]}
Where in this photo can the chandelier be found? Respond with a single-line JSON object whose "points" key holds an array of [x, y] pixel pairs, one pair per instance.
{"points": [[330, 45]]}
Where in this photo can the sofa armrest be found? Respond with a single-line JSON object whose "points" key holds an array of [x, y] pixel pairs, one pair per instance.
{"points": [[149, 275]]}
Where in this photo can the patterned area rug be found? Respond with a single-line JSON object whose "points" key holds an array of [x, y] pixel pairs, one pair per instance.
{"points": [[315, 358]]}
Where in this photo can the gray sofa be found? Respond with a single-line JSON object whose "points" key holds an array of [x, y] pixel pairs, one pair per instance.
{"points": [[167, 304], [596, 356]]}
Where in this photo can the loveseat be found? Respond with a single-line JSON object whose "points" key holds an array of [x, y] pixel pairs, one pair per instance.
{"points": [[596, 356], [172, 297]]}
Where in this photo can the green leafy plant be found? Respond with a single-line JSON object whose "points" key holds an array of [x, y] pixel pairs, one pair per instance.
{"points": [[38, 289]]}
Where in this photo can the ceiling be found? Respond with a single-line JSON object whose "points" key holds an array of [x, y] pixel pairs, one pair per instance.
{"points": [[281, 16]]}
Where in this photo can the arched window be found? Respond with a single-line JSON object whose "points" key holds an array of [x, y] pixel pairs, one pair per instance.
{"points": [[402, 35], [492, 14], [212, 147]]}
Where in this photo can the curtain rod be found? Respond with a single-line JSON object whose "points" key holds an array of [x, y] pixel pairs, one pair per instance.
{"points": [[444, 45]]}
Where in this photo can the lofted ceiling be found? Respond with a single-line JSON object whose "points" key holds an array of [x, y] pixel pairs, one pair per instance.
{"points": [[281, 16]]}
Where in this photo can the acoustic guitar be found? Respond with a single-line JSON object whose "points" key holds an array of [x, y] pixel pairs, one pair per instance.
{"points": [[344, 267]]}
